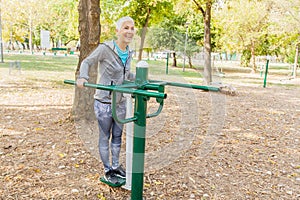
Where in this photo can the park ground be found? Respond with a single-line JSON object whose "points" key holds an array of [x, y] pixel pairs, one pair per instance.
{"points": [[204, 145]]}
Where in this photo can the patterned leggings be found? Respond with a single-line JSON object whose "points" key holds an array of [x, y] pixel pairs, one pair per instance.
{"points": [[109, 128]]}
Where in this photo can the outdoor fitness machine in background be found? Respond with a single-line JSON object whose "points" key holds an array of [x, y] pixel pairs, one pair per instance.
{"points": [[141, 90], [266, 73]]}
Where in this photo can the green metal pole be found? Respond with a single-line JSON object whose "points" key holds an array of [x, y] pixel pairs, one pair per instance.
{"points": [[138, 160], [139, 135], [193, 86], [266, 73]]}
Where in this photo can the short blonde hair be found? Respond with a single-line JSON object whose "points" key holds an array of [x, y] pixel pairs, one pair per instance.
{"points": [[120, 22]]}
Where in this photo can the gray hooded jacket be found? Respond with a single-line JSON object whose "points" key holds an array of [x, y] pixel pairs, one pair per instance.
{"points": [[111, 70]]}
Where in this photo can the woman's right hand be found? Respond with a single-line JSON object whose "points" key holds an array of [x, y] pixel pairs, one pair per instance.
{"points": [[80, 82]]}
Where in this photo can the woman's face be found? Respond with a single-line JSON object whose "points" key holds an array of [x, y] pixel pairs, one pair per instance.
{"points": [[126, 32]]}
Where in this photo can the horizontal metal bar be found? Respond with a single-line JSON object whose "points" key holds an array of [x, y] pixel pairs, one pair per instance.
{"points": [[121, 89], [193, 86]]}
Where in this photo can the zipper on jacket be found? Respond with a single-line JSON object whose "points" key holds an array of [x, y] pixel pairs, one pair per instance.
{"points": [[120, 60], [111, 83]]}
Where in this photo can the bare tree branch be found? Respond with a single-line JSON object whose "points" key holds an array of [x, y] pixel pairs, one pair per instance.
{"points": [[199, 7]]}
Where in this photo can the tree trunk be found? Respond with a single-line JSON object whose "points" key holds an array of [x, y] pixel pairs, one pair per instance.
{"points": [[207, 44], [253, 56], [207, 40], [190, 61], [143, 35], [174, 60], [89, 30], [30, 33], [296, 61]]}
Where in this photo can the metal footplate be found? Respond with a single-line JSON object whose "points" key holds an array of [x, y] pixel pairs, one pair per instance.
{"points": [[121, 182]]}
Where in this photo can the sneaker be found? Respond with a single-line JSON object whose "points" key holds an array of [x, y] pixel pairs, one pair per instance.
{"points": [[119, 172], [111, 177]]}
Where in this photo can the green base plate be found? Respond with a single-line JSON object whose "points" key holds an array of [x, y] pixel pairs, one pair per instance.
{"points": [[121, 182]]}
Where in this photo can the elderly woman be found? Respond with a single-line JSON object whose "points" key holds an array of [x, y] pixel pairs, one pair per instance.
{"points": [[113, 59]]}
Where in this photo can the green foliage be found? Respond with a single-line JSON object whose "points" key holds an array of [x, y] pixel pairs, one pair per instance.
{"points": [[245, 59], [158, 10], [166, 34], [290, 55], [60, 17], [64, 21], [242, 23], [271, 25], [170, 34], [111, 11]]}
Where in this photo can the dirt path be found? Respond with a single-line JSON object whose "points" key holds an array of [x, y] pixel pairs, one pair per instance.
{"points": [[209, 147]]}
